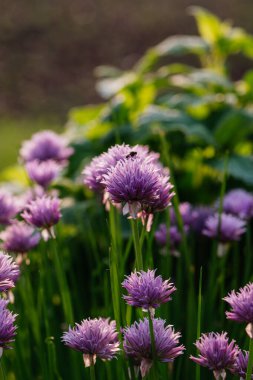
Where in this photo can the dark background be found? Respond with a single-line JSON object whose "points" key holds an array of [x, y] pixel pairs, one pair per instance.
{"points": [[49, 48]]}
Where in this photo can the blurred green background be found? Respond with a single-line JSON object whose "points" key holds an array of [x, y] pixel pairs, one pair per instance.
{"points": [[49, 49]]}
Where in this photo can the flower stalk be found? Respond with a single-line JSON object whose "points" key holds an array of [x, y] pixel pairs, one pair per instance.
{"points": [[250, 361], [137, 245]]}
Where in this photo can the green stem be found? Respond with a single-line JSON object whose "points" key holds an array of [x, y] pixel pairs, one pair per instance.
{"points": [[92, 373], [63, 285], [114, 267], [250, 362], [247, 256], [152, 336], [222, 193], [3, 377], [153, 349], [199, 318], [137, 245], [222, 284]]}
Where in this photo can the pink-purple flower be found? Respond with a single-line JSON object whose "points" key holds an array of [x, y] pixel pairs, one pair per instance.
{"points": [[199, 216], [172, 237], [231, 228], [239, 202], [45, 145], [137, 343], [185, 210], [95, 338], [146, 290], [43, 212], [7, 327], [8, 208], [43, 172], [19, 238], [138, 186], [9, 272], [240, 365], [241, 304], [216, 353], [99, 166]]}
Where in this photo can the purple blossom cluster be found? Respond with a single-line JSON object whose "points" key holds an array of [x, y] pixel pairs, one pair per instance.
{"points": [[19, 238], [130, 177], [239, 202], [216, 353], [240, 364], [9, 208], [95, 338], [9, 272], [137, 343], [45, 155], [146, 290], [43, 213], [7, 327], [215, 350], [242, 307], [226, 227]]}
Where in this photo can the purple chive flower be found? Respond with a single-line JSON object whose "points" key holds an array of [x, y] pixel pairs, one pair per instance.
{"points": [[239, 202], [44, 172], [199, 216], [242, 307], [19, 238], [43, 212], [146, 290], [8, 208], [9, 272], [174, 237], [240, 365], [137, 343], [94, 338], [45, 145], [99, 166], [216, 353], [185, 210], [7, 327], [139, 186], [231, 227]]}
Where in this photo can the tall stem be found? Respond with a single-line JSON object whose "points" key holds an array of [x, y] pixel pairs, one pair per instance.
{"points": [[250, 362], [92, 373], [63, 285], [137, 245], [153, 348], [3, 377], [114, 267], [199, 318]]}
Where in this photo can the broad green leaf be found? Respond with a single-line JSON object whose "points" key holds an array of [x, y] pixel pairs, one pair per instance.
{"points": [[210, 78], [209, 26], [239, 167], [173, 120], [83, 115], [110, 86], [234, 127], [178, 45]]}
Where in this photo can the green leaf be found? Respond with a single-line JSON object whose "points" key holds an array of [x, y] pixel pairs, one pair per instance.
{"points": [[233, 128], [83, 115], [209, 26], [172, 120], [210, 78], [239, 167], [111, 86], [178, 45]]}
